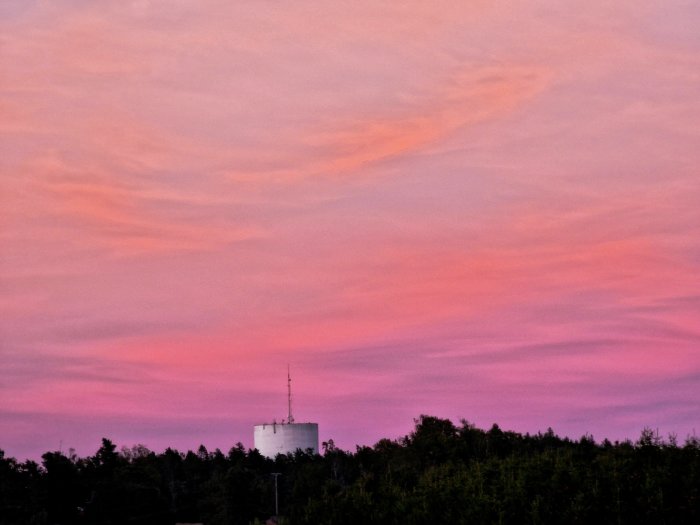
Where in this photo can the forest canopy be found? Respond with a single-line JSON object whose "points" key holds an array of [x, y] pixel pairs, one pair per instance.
{"points": [[439, 473]]}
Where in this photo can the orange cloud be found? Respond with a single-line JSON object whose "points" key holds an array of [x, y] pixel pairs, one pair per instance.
{"points": [[122, 215], [343, 145]]}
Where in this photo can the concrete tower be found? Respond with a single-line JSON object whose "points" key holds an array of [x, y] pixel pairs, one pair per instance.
{"points": [[282, 438]]}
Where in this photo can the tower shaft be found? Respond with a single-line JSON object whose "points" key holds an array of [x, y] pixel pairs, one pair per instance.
{"points": [[290, 417]]}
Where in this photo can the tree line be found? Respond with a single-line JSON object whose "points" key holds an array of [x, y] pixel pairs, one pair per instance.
{"points": [[439, 473]]}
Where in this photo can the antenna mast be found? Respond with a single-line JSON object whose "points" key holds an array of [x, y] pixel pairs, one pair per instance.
{"points": [[290, 418]]}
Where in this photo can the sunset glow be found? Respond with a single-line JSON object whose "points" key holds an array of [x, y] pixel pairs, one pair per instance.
{"points": [[480, 210]]}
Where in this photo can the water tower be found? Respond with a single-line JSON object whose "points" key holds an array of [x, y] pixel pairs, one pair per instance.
{"points": [[288, 436]]}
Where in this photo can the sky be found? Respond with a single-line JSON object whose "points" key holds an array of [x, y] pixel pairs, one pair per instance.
{"points": [[478, 210]]}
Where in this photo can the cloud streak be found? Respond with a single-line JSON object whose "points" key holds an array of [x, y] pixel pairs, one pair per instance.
{"points": [[456, 209]]}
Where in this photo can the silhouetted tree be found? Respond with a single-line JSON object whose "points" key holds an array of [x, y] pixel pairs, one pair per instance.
{"points": [[439, 473]]}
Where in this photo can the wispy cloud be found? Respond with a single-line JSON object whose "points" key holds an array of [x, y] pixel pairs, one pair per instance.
{"points": [[453, 208], [344, 145]]}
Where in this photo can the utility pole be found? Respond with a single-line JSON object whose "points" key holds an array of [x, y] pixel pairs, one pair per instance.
{"points": [[277, 509]]}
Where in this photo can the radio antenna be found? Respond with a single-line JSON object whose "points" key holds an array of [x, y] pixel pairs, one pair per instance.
{"points": [[290, 417]]}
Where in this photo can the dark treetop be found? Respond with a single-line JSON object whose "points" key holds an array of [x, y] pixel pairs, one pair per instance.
{"points": [[440, 473]]}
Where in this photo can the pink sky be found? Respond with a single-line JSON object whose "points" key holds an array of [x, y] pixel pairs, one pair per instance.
{"points": [[480, 210]]}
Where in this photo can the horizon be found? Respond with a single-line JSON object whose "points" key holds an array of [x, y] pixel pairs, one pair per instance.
{"points": [[68, 450], [485, 211], [187, 444]]}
